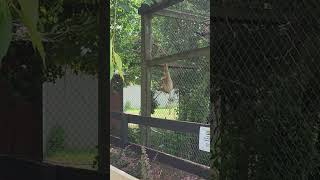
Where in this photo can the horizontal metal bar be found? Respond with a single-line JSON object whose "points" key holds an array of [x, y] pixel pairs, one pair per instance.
{"points": [[176, 162], [182, 15], [181, 56], [146, 9], [180, 126]]}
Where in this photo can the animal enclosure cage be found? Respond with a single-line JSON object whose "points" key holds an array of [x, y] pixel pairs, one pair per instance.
{"points": [[265, 89], [179, 37], [175, 33]]}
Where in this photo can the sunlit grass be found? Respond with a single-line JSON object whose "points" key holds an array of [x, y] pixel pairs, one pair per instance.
{"points": [[73, 158], [162, 113]]}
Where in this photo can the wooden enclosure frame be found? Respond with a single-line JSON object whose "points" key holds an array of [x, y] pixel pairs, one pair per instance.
{"points": [[145, 121], [147, 62]]}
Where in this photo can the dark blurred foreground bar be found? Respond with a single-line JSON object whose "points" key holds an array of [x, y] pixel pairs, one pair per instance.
{"points": [[19, 169]]}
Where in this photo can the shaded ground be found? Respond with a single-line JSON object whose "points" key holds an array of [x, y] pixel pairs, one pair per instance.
{"points": [[125, 160], [130, 163]]}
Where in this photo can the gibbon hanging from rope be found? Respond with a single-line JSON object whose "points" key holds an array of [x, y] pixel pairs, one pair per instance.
{"points": [[166, 84]]}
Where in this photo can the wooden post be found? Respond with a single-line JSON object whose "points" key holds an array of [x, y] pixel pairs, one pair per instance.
{"points": [[198, 52], [146, 39], [103, 96], [124, 131]]}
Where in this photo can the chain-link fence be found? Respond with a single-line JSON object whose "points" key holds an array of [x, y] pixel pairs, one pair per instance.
{"points": [[70, 93], [265, 84], [180, 32], [70, 120], [189, 101]]}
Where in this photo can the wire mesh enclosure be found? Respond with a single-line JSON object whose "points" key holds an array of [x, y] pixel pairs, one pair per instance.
{"points": [[70, 120], [176, 35], [181, 27], [70, 92], [265, 84]]}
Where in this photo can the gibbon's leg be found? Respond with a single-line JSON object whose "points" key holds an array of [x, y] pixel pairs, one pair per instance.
{"points": [[166, 84]]}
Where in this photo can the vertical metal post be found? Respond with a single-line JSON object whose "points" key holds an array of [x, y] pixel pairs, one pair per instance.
{"points": [[103, 85], [146, 39]]}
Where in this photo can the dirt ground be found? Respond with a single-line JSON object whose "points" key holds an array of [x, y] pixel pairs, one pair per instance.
{"points": [[130, 163]]}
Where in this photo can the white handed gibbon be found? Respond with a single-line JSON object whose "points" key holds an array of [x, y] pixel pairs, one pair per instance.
{"points": [[166, 81]]}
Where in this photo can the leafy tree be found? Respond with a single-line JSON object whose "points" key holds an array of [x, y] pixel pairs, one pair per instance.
{"points": [[127, 39], [27, 11], [50, 22]]}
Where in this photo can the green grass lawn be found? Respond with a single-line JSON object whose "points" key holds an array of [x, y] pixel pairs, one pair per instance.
{"points": [[163, 113], [86, 158], [83, 159]]}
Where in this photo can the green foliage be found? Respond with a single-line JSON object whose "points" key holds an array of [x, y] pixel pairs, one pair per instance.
{"points": [[126, 42], [149, 2], [194, 99], [154, 102], [29, 16], [71, 34], [126, 160], [192, 85], [111, 59], [127, 106], [60, 28], [56, 140], [96, 159], [173, 143], [28, 13], [5, 28], [134, 135], [115, 60], [145, 165]]}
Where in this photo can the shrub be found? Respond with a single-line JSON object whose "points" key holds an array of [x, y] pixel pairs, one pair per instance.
{"points": [[172, 143], [134, 135], [56, 140], [154, 102], [127, 106]]}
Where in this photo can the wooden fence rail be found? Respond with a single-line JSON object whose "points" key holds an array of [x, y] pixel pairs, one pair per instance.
{"points": [[180, 126]]}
